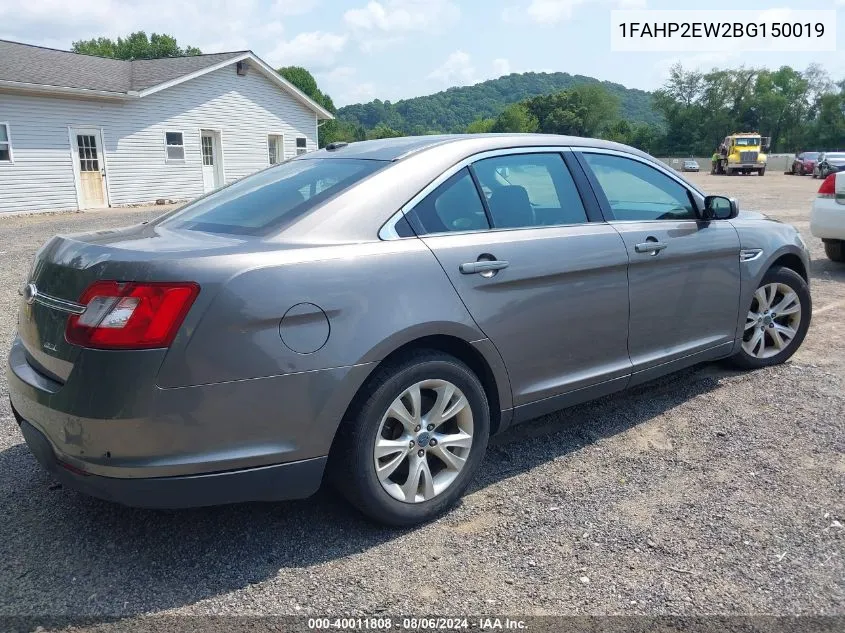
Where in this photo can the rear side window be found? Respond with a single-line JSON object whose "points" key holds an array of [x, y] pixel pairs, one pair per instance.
{"points": [[524, 190], [454, 206], [272, 198], [637, 192]]}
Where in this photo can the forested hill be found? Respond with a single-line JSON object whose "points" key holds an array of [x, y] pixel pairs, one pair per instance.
{"points": [[455, 108]]}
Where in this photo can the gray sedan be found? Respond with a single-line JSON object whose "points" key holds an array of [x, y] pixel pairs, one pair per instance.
{"points": [[372, 313]]}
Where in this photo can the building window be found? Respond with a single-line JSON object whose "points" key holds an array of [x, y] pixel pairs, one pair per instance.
{"points": [[276, 147], [207, 151], [301, 147], [87, 146], [5, 144], [175, 146]]}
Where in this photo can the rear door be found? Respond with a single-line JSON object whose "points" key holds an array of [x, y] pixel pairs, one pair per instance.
{"points": [[684, 275], [545, 284]]}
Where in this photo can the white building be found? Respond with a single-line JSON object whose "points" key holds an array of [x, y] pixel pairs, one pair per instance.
{"points": [[79, 132]]}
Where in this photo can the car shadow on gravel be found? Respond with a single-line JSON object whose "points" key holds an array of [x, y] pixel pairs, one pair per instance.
{"points": [[62, 552], [824, 268]]}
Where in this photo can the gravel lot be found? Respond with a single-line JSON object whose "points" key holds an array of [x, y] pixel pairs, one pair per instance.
{"points": [[706, 492]]}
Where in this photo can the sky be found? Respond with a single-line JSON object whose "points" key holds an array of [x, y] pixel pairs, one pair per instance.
{"points": [[360, 50]]}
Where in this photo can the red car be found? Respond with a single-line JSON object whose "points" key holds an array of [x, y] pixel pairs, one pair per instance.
{"points": [[804, 163]]}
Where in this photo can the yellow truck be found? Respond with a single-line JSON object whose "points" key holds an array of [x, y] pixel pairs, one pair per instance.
{"points": [[741, 153]]}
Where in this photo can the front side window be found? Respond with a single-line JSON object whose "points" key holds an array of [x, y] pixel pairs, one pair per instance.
{"points": [[272, 198], [637, 192], [5, 144], [454, 206], [524, 190], [175, 146]]}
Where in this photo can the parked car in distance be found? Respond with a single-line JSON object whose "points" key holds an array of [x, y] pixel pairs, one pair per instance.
{"points": [[829, 163], [827, 219], [804, 163], [690, 165], [376, 311]]}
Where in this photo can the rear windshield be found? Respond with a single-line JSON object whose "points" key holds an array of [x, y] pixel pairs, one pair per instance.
{"points": [[272, 198]]}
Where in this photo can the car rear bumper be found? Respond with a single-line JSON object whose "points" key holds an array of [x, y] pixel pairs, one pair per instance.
{"points": [[293, 480], [117, 435], [827, 219]]}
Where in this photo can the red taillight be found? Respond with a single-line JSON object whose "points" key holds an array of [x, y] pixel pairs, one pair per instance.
{"points": [[828, 188], [130, 315]]}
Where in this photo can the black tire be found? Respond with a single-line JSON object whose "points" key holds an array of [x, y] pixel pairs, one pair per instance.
{"points": [[835, 250], [351, 469], [762, 172], [786, 276]]}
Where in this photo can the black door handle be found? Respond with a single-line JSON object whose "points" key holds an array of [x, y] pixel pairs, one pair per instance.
{"points": [[483, 266]]}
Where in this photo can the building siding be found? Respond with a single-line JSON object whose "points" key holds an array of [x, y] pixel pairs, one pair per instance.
{"points": [[243, 109]]}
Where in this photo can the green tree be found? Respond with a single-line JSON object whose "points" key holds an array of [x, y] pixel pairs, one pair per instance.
{"points": [[516, 118], [481, 126], [796, 109], [453, 110], [333, 130], [829, 128], [305, 81], [600, 107], [134, 46], [584, 110], [382, 131], [620, 131]]}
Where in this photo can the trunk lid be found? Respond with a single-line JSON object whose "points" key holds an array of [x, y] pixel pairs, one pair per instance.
{"points": [[66, 265]]}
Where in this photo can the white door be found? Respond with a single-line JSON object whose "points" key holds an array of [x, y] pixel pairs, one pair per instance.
{"points": [[210, 161], [276, 147], [89, 168]]}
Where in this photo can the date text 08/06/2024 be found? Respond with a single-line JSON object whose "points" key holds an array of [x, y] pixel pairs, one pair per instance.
{"points": [[417, 624]]}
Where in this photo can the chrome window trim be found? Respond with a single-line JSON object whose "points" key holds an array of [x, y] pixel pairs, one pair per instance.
{"points": [[658, 166], [388, 229]]}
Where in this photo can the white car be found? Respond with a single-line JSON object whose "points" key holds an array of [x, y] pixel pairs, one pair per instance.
{"points": [[827, 220]]}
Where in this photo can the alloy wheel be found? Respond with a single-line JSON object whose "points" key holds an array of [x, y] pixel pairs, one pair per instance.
{"points": [[772, 322], [423, 441]]}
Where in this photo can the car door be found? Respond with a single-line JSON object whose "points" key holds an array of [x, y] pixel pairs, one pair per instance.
{"points": [[684, 274], [543, 282]]}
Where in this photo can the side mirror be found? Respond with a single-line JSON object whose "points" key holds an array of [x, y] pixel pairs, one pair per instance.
{"points": [[719, 208]]}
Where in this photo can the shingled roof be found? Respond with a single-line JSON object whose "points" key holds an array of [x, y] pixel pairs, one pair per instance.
{"points": [[50, 67], [24, 66]]}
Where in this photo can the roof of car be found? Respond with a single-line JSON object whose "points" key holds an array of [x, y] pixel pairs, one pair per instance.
{"points": [[391, 149]]}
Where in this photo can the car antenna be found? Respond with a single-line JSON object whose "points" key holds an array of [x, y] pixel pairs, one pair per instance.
{"points": [[338, 145]]}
